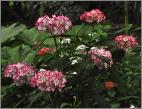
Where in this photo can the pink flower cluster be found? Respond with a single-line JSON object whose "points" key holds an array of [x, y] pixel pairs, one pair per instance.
{"points": [[57, 25], [20, 72], [94, 57], [94, 15], [125, 41], [47, 80]]}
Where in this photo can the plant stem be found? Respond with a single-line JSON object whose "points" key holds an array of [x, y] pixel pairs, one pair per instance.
{"points": [[126, 15], [55, 42], [60, 41]]}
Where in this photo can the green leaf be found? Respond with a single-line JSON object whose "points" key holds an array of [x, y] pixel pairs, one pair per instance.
{"points": [[107, 27], [10, 88], [85, 29], [4, 62], [101, 101], [3, 89], [27, 54], [32, 36], [106, 42], [11, 31], [97, 27], [127, 97], [63, 105], [115, 105], [30, 57], [14, 54], [19, 102], [4, 52], [111, 93], [34, 97], [11, 3], [74, 31], [128, 27], [22, 53]]}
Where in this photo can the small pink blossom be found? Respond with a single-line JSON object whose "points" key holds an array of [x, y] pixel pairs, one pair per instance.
{"points": [[47, 80], [20, 72], [94, 57], [42, 22], [94, 15], [125, 41]]}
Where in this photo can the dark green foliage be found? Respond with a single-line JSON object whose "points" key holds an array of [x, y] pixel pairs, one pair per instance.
{"points": [[86, 88]]}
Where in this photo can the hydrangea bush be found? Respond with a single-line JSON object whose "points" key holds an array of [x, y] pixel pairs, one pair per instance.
{"points": [[77, 69]]}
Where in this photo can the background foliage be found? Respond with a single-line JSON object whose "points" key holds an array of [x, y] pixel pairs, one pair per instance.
{"points": [[20, 42]]}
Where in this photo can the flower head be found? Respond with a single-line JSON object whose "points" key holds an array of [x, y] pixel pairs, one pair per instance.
{"points": [[95, 56], [56, 25], [125, 41], [110, 84], [94, 15], [59, 24], [20, 72], [47, 80], [44, 50]]}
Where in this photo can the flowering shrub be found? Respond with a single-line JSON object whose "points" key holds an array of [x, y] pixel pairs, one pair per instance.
{"points": [[83, 69]]}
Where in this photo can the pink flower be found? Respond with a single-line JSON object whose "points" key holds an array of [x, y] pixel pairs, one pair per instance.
{"points": [[44, 50], [125, 41], [94, 15], [56, 25], [20, 72], [94, 57], [47, 80]]}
